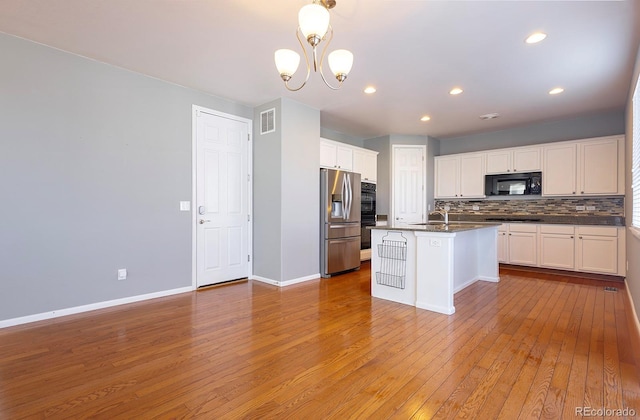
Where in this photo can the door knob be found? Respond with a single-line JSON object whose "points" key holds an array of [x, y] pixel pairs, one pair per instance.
{"points": [[202, 221]]}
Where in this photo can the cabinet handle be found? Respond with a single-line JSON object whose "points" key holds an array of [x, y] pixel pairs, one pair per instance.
{"points": [[508, 170], [580, 237], [571, 237], [573, 192], [581, 192]]}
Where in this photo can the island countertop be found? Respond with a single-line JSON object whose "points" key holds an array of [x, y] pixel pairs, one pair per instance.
{"points": [[451, 227]]}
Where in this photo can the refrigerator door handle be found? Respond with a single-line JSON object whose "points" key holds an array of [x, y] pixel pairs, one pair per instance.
{"points": [[344, 197], [350, 194]]}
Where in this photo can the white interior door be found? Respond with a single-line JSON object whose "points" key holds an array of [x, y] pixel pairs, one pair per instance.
{"points": [[408, 184], [222, 199]]}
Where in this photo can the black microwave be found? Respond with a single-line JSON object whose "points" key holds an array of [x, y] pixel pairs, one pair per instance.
{"points": [[529, 183]]}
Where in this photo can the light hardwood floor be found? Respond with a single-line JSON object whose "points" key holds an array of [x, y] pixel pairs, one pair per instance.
{"points": [[534, 345]]}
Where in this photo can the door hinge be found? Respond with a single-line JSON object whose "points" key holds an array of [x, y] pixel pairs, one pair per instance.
{"points": [[248, 258], [248, 177], [248, 137], [248, 217]]}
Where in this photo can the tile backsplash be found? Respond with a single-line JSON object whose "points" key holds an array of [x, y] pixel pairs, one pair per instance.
{"points": [[593, 206]]}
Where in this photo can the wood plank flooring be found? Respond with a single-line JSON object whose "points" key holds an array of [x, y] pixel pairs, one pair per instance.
{"points": [[534, 345]]}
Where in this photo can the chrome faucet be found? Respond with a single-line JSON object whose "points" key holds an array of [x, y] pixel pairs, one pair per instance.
{"points": [[443, 213]]}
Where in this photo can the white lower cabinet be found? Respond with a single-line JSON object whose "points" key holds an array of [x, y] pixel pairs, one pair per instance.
{"points": [[591, 249], [522, 244], [597, 249], [557, 247], [517, 244]]}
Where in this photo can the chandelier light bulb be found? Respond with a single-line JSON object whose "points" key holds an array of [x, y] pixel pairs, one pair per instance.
{"points": [[287, 62], [340, 63], [313, 20]]}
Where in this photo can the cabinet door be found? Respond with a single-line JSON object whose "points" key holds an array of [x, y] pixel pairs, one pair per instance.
{"points": [[598, 164], [344, 158], [559, 172], [557, 251], [446, 176], [526, 160], [597, 254], [522, 248], [328, 153], [472, 176], [499, 161], [503, 246], [365, 164]]}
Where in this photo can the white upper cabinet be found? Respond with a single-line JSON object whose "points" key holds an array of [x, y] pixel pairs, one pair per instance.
{"points": [[365, 162], [460, 176], [559, 170], [336, 155], [520, 159], [589, 167]]}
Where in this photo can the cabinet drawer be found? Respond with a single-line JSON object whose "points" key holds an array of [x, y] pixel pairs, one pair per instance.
{"points": [[522, 227], [597, 230], [557, 229]]}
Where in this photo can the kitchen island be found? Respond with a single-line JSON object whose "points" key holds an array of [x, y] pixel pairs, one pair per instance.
{"points": [[424, 265]]}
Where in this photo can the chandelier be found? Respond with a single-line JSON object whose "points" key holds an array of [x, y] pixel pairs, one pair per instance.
{"points": [[313, 24]]}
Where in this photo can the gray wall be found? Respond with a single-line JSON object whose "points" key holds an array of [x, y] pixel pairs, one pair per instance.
{"points": [[287, 193], [94, 160], [383, 145], [341, 137], [300, 190], [603, 124], [267, 196], [633, 243]]}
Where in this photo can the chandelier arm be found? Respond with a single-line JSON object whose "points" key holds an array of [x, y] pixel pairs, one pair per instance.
{"points": [[306, 59], [324, 52]]}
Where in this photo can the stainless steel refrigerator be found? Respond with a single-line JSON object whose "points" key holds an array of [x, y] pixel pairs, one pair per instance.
{"points": [[339, 221]]}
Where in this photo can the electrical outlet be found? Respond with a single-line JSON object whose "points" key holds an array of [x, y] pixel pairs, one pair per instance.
{"points": [[579, 207], [185, 205], [591, 208], [122, 274], [475, 207], [447, 208], [435, 243]]}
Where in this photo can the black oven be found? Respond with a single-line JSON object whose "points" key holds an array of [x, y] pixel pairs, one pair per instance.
{"points": [[367, 212]]}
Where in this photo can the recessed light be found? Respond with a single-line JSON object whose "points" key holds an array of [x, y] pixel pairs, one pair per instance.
{"points": [[491, 116], [455, 91], [535, 37], [555, 91], [425, 118], [369, 89]]}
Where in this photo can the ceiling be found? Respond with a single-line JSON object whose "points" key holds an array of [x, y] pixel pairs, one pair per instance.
{"points": [[412, 51]]}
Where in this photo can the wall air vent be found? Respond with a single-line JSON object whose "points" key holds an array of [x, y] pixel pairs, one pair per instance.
{"points": [[268, 121]]}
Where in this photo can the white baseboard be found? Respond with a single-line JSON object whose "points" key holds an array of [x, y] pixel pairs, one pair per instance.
{"points": [[91, 307], [440, 309], [286, 282], [633, 308]]}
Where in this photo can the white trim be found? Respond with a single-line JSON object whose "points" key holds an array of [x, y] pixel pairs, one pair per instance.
{"points": [[440, 309], [91, 307], [633, 308], [194, 216], [286, 282], [634, 231]]}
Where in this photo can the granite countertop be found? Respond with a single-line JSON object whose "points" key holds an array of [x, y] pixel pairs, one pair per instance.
{"points": [[452, 227], [539, 218]]}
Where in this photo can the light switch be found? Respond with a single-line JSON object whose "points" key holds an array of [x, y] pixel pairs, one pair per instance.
{"points": [[435, 243], [185, 205], [591, 208], [122, 274], [476, 207], [579, 207]]}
